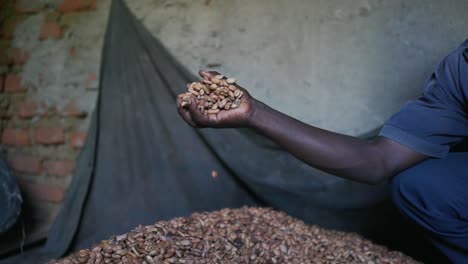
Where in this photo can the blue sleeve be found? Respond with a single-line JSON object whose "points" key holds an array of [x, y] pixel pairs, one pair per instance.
{"points": [[438, 119]]}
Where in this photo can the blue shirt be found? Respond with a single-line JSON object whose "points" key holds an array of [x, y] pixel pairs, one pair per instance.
{"points": [[438, 120]]}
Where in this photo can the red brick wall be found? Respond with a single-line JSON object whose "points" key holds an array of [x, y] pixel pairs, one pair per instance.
{"points": [[41, 141]]}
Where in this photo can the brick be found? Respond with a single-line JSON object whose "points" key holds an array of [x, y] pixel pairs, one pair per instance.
{"points": [[13, 84], [72, 52], [92, 77], [4, 58], [8, 29], [49, 135], [20, 56], [91, 81], [51, 30], [4, 101], [78, 139], [52, 17], [16, 137], [60, 167], [4, 114], [26, 109], [28, 6], [42, 110], [26, 164], [72, 110], [69, 19], [4, 105], [43, 191], [75, 5], [93, 5]]}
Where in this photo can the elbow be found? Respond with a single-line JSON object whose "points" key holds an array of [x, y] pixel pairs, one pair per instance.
{"points": [[380, 166], [370, 176], [377, 179], [381, 174]]}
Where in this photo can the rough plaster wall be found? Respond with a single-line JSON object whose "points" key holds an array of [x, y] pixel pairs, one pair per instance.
{"points": [[338, 64], [56, 76], [46, 115]]}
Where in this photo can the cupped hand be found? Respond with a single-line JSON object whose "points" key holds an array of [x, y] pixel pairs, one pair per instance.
{"points": [[237, 117]]}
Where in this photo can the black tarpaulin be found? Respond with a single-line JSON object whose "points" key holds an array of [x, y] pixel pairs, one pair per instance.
{"points": [[142, 163]]}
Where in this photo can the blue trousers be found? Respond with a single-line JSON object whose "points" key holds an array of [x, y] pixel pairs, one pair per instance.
{"points": [[434, 195]]}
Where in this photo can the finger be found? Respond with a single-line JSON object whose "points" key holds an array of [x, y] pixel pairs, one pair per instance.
{"points": [[208, 74], [180, 100], [183, 112], [198, 118]]}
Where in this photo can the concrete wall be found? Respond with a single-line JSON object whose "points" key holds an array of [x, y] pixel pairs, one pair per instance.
{"points": [[338, 64]]}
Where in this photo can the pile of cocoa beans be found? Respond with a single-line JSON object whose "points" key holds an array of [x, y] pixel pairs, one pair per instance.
{"points": [[213, 95], [246, 235]]}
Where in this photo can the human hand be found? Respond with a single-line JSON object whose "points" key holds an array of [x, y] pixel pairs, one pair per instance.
{"points": [[234, 117]]}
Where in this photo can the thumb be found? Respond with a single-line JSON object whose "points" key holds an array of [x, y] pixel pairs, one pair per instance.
{"points": [[199, 119], [193, 107]]}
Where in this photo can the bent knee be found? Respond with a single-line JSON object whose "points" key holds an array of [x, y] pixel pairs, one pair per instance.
{"points": [[433, 190]]}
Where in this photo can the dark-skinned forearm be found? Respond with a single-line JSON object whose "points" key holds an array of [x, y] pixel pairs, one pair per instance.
{"points": [[341, 155]]}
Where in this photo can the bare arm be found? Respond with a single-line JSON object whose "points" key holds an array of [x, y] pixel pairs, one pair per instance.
{"points": [[368, 161]]}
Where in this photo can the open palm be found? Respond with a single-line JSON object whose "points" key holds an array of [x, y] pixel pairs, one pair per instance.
{"points": [[236, 117]]}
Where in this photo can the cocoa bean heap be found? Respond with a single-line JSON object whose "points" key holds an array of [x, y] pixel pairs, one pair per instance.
{"points": [[213, 95], [246, 235]]}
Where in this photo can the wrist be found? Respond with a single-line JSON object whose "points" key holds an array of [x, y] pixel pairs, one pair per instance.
{"points": [[255, 113]]}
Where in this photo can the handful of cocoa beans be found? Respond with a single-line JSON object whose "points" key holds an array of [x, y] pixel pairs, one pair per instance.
{"points": [[213, 95]]}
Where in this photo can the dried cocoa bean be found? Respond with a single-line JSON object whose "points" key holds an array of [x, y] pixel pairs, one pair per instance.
{"points": [[231, 80], [195, 86], [207, 81], [222, 103], [246, 235], [193, 92], [235, 103]]}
